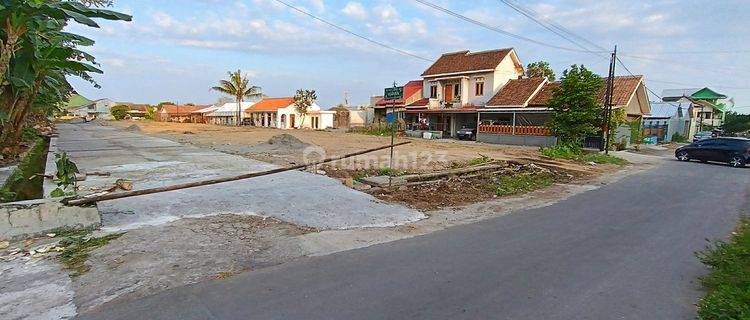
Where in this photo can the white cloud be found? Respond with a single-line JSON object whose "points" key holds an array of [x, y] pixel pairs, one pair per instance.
{"points": [[354, 10]]}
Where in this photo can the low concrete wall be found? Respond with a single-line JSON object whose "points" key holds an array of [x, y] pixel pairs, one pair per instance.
{"points": [[518, 140], [27, 218]]}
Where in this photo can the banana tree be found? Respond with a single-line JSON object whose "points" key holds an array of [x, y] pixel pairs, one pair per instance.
{"points": [[36, 55]]}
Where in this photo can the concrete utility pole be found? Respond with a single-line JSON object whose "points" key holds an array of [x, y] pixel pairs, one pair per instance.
{"points": [[608, 102]]}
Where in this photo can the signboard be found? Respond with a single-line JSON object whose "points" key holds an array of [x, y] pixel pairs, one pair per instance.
{"points": [[394, 93]]}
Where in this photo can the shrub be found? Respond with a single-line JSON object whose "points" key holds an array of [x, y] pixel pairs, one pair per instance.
{"points": [[574, 152], [676, 137], [728, 284], [562, 150], [119, 111]]}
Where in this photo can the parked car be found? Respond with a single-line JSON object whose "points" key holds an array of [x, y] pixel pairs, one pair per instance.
{"points": [[247, 122], [702, 135], [467, 133], [734, 151]]}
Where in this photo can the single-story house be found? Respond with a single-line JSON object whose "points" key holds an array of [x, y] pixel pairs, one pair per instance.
{"points": [[200, 115], [518, 113], [281, 113], [666, 120], [173, 113], [97, 109], [226, 114]]}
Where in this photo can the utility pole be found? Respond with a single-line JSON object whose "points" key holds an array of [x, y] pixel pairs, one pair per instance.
{"points": [[608, 102]]}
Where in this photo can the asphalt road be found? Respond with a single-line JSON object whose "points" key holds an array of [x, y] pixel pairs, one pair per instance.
{"points": [[624, 251]]}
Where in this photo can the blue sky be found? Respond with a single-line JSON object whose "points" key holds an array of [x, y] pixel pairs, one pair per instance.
{"points": [[177, 49]]}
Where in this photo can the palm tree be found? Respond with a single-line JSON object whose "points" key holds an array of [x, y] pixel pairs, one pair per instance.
{"points": [[238, 87]]}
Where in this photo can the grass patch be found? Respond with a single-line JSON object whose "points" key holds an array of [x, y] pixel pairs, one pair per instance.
{"points": [[522, 183], [77, 250], [384, 131], [22, 183], [728, 284], [601, 158], [388, 171], [482, 159], [573, 152]]}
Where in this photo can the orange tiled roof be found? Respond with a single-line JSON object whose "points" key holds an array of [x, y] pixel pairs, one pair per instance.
{"points": [[624, 88], [465, 61], [271, 104], [516, 92], [173, 110]]}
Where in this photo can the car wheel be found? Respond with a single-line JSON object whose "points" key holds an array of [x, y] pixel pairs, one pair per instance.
{"points": [[683, 156], [737, 162]]}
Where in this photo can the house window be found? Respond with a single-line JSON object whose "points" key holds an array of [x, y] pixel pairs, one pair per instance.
{"points": [[457, 90], [479, 87], [433, 91]]}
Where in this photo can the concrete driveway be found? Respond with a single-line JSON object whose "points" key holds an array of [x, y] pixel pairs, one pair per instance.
{"points": [[298, 197]]}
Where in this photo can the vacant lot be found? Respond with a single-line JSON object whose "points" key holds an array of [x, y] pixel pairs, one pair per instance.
{"points": [[419, 156]]}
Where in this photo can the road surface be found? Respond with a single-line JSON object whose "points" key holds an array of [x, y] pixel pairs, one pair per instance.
{"points": [[623, 251]]}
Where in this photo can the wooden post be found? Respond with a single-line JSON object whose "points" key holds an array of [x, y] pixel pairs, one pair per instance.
{"points": [[514, 124]]}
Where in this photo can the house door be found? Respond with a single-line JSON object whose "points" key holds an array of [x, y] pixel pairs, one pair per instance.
{"points": [[291, 121], [448, 94], [283, 121]]}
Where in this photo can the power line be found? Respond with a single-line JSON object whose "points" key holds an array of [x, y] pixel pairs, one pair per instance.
{"points": [[553, 26], [495, 29], [378, 43]]}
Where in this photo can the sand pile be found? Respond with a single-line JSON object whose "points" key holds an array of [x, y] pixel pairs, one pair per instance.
{"points": [[281, 143], [133, 128]]}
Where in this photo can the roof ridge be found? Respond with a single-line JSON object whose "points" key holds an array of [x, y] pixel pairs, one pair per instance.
{"points": [[456, 52], [488, 51]]}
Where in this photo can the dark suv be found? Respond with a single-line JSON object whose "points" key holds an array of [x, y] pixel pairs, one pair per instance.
{"points": [[735, 151]]}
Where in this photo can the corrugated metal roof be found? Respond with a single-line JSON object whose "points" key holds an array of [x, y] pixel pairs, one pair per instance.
{"points": [[666, 109], [230, 109], [678, 93]]}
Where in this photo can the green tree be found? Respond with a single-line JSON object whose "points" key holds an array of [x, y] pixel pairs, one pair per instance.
{"points": [[576, 109], [540, 69], [239, 87], [735, 123], [37, 56], [150, 113], [303, 100], [166, 103], [119, 111]]}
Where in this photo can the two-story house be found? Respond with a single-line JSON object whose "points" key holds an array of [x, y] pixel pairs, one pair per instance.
{"points": [[457, 84], [706, 110]]}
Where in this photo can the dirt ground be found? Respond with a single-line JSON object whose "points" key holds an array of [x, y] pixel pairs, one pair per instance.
{"points": [[419, 156], [249, 141], [285, 147]]}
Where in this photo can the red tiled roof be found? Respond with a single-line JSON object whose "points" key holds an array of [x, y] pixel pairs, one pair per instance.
{"points": [[271, 104], [624, 88], [419, 103], [464, 109], [173, 110], [465, 61], [411, 88], [516, 92]]}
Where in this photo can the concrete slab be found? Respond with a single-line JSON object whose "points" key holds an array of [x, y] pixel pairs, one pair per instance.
{"points": [[298, 197], [32, 217]]}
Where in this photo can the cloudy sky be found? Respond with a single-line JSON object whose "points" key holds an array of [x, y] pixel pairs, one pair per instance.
{"points": [[176, 49]]}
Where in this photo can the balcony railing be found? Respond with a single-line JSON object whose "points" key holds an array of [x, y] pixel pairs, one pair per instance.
{"points": [[518, 130]]}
